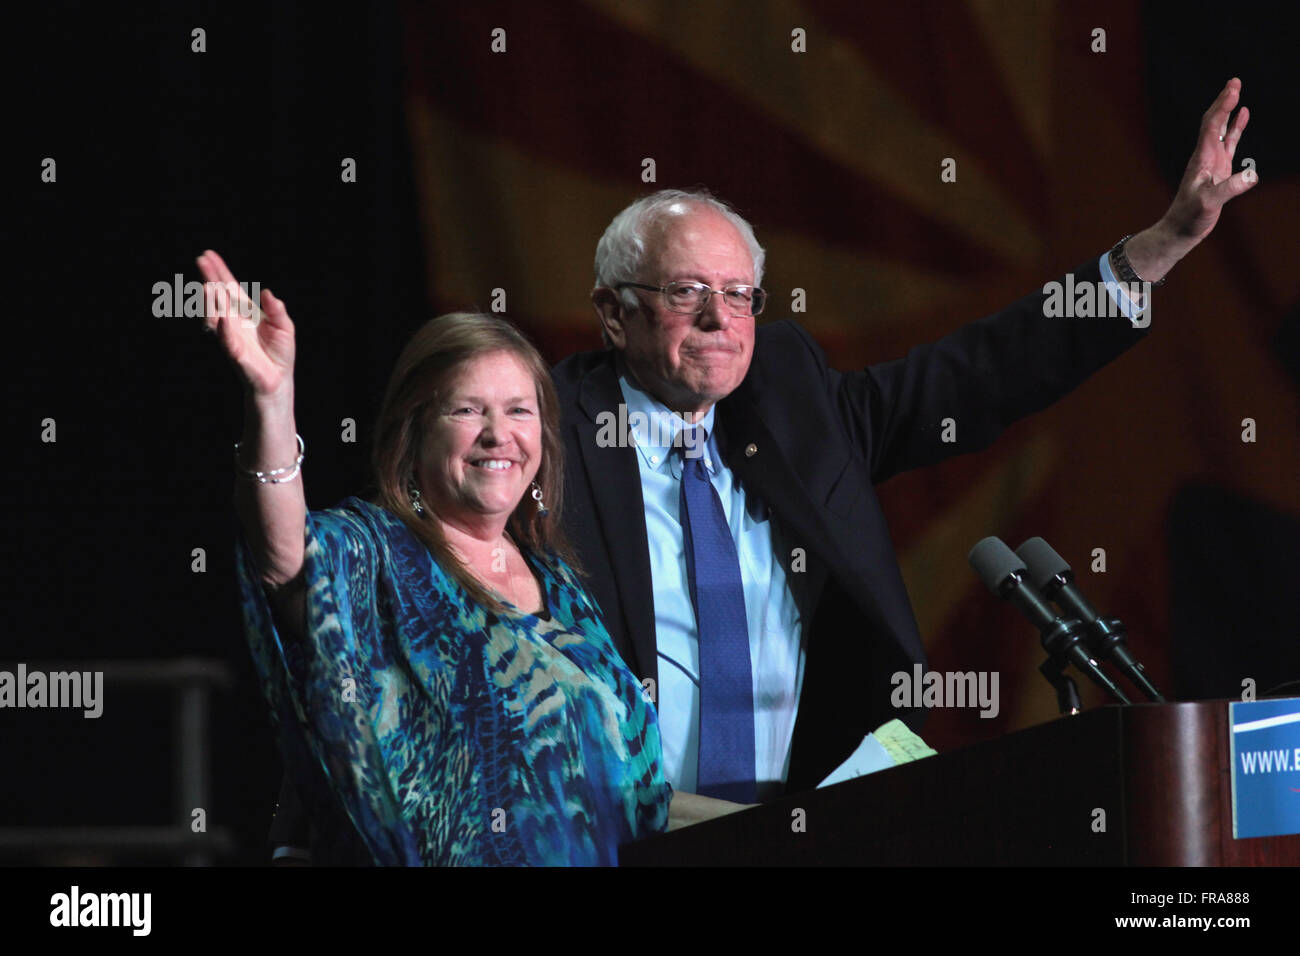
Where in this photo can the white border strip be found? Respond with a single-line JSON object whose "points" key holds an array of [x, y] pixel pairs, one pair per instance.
{"points": [[1266, 722]]}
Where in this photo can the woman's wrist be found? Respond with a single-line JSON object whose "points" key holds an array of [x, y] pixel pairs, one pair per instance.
{"points": [[270, 406]]}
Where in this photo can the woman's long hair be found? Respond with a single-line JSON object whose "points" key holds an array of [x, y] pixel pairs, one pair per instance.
{"points": [[424, 372]]}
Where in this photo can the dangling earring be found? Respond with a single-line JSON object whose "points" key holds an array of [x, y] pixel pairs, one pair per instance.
{"points": [[542, 510], [415, 497]]}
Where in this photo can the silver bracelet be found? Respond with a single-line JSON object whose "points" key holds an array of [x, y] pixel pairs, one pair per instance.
{"points": [[277, 475]]}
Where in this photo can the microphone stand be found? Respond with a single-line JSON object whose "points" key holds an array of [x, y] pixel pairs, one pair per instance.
{"points": [[1067, 693], [1108, 644], [1062, 644]]}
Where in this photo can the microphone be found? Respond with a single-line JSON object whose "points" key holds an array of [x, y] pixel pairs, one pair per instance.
{"points": [[1006, 576], [1049, 572]]}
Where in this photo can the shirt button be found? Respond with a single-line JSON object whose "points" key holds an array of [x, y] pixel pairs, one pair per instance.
{"points": [[751, 450], [654, 459]]}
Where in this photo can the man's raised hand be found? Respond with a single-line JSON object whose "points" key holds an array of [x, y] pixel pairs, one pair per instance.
{"points": [[1209, 182], [1207, 185]]}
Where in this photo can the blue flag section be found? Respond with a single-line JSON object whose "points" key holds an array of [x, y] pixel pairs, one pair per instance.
{"points": [[1265, 767]]}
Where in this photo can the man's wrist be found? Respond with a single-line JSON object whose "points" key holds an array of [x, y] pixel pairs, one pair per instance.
{"points": [[1153, 252]]}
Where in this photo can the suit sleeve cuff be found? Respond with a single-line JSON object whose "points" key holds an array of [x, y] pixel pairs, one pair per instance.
{"points": [[1140, 317]]}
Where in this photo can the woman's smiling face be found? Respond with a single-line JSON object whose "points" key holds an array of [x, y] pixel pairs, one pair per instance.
{"points": [[484, 443]]}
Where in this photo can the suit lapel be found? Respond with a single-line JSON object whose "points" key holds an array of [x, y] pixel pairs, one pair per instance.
{"points": [[615, 483], [753, 454]]}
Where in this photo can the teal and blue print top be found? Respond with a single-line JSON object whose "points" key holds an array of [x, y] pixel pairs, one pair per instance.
{"points": [[449, 734]]}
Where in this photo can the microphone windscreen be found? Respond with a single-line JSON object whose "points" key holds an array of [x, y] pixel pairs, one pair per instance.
{"points": [[993, 561], [1042, 561]]}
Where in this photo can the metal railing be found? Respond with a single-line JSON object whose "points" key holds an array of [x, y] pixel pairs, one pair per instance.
{"points": [[193, 681]]}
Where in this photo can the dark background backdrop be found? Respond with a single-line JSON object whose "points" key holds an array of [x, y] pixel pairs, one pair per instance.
{"points": [[479, 171]]}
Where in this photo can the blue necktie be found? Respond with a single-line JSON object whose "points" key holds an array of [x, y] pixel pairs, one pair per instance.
{"points": [[726, 767]]}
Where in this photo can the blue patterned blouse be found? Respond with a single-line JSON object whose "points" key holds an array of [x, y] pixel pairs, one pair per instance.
{"points": [[450, 734]]}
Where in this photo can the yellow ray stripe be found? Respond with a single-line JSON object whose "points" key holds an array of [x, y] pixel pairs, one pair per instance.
{"points": [[537, 241], [934, 565], [847, 291], [836, 101], [938, 575], [540, 246], [1024, 57]]}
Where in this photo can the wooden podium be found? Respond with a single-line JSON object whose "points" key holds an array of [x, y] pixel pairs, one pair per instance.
{"points": [[1160, 772]]}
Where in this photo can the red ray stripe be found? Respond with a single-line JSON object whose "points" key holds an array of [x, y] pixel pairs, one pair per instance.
{"points": [[577, 90], [935, 54]]}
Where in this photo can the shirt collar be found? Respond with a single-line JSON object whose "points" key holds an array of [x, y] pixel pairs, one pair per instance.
{"points": [[656, 430]]}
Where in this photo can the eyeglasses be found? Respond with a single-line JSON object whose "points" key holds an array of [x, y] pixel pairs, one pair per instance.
{"points": [[693, 297]]}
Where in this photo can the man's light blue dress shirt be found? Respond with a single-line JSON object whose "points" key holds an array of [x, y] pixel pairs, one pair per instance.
{"points": [[775, 628], [776, 644]]}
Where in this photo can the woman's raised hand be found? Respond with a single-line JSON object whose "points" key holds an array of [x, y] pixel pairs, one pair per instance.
{"points": [[258, 340], [274, 513]]}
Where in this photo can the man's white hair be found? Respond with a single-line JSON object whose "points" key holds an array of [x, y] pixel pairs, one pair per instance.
{"points": [[621, 252]]}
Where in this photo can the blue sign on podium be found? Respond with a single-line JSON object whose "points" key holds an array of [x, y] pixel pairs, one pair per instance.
{"points": [[1265, 767]]}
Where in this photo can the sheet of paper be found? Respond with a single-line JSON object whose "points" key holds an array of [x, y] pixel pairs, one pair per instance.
{"points": [[868, 758], [891, 744], [903, 745]]}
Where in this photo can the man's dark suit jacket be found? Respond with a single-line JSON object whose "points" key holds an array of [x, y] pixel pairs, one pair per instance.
{"points": [[811, 442]]}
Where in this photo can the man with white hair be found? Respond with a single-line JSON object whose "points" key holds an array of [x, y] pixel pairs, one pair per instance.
{"points": [[737, 549]]}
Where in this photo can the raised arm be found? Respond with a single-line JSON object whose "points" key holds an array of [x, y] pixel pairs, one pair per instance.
{"points": [[273, 512], [994, 371]]}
